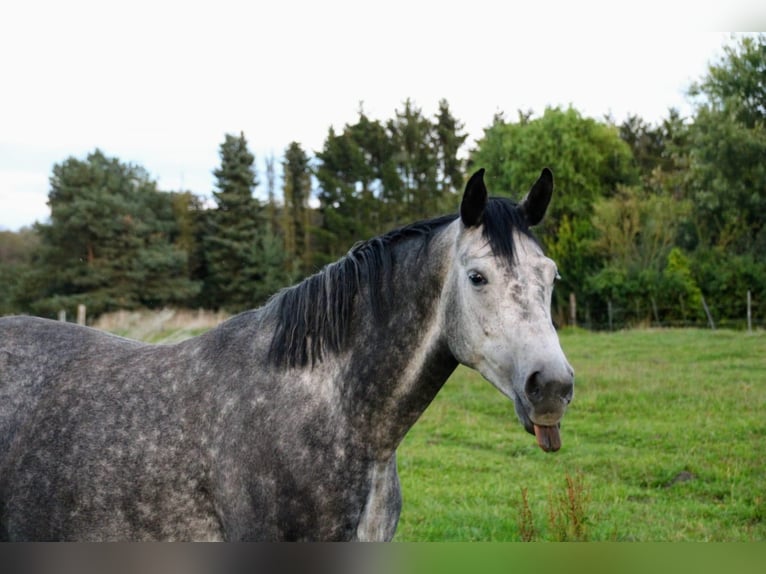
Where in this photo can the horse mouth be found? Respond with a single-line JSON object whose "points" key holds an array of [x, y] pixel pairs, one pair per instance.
{"points": [[548, 436]]}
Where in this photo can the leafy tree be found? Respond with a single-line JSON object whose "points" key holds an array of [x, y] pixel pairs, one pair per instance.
{"points": [[241, 253], [636, 234], [725, 279], [646, 142], [109, 243], [588, 159], [589, 162], [728, 139], [726, 179], [737, 82]]}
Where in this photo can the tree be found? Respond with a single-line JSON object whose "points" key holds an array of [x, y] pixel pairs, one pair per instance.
{"points": [[636, 233], [449, 138], [17, 250], [296, 214], [271, 186], [737, 82], [727, 178], [727, 171], [359, 189], [589, 162], [377, 175], [109, 243], [241, 253], [412, 135]]}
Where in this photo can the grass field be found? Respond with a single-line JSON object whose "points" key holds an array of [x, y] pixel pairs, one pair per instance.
{"points": [[663, 442]]}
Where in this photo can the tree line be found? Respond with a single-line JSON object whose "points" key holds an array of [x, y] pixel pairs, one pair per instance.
{"points": [[648, 220]]}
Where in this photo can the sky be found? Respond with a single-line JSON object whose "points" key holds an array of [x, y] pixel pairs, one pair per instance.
{"points": [[160, 83]]}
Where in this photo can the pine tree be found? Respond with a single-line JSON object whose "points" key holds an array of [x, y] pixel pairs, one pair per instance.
{"points": [[343, 217], [296, 215], [240, 250], [449, 138]]}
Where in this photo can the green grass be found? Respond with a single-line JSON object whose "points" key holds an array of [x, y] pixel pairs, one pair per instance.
{"points": [[663, 442]]}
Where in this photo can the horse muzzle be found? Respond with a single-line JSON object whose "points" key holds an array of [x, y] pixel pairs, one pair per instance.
{"points": [[548, 399]]}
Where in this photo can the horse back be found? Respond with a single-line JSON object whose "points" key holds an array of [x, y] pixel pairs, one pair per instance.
{"points": [[39, 357]]}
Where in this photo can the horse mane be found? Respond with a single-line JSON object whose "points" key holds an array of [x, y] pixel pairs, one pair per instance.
{"points": [[312, 317]]}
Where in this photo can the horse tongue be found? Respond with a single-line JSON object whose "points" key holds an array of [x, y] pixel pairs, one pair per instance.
{"points": [[548, 438]]}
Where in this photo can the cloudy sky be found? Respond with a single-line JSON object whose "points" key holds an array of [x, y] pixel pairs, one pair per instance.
{"points": [[159, 83]]}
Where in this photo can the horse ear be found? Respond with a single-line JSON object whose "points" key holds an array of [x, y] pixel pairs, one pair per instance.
{"points": [[474, 200], [536, 201]]}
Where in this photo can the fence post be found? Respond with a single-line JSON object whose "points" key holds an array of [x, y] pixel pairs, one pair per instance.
{"points": [[572, 310], [707, 312], [62, 315], [609, 313], [749, 314], [81, 314]]}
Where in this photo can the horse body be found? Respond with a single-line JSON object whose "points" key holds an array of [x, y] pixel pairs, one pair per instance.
{"points": [[283, 422]]}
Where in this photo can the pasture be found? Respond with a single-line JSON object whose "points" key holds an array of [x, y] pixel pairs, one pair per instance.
{"points": [[663, 442]]}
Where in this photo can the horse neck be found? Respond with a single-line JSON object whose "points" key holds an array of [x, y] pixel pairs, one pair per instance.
{"points": [[397, 364]]}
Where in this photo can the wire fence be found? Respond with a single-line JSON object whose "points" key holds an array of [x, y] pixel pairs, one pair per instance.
{"points": [[606, 315]]}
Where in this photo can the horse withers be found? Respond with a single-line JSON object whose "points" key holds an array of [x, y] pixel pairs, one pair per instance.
{"points": [[283, 422]]}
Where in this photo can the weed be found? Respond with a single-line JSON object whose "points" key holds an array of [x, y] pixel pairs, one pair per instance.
{"points": [[527, 528], [567, 510]]}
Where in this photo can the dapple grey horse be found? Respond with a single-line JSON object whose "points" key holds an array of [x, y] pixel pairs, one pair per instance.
{"points": [[283, 422]]}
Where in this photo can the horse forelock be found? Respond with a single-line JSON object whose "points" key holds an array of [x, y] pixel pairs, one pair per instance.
{"points": [[313, 317], [501, 218]]}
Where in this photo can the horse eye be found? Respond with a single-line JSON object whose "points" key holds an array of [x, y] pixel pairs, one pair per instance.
{"points": [[476, 278]]}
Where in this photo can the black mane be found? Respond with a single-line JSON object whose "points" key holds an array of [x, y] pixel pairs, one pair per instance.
{"points": [[313, 316]]}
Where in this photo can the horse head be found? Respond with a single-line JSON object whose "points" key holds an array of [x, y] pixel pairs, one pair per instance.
{"points": [[497, 305]]}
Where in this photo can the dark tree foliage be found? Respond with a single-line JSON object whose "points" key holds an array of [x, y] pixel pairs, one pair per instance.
{"points": [[589, 161], [17, 251], [244, 260], [357, 179], [727, 178], [377, 175], [296, 212], [108, 244]]}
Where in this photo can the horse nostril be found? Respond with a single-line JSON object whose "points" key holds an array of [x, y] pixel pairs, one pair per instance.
{"points": [[539, 390], [567, 391], [533, 388]]}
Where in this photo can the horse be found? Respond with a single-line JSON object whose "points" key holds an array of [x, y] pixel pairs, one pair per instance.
{"points": [[282, 423]]}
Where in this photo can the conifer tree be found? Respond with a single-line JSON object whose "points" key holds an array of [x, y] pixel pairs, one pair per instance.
{"points": [[449, 138], [241, 252], [296, 215]]}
